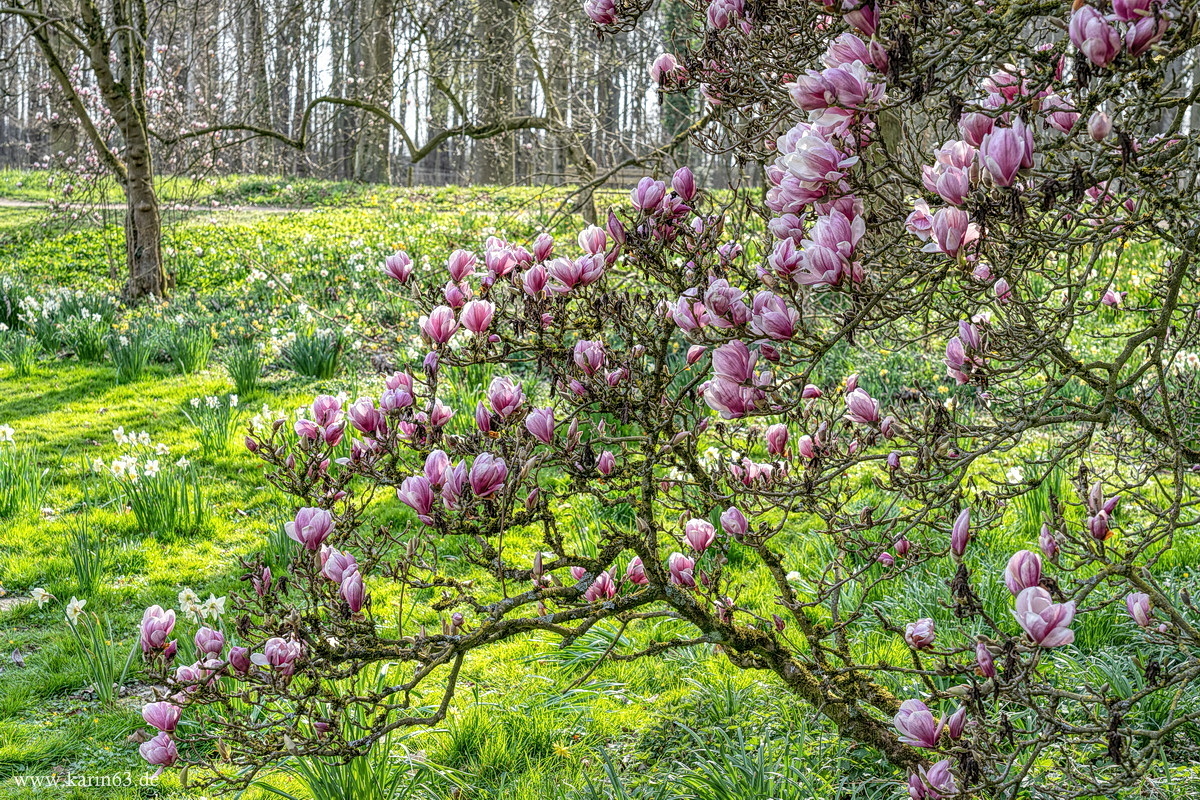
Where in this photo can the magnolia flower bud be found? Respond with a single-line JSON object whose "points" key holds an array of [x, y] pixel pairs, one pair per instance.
{"points": [[1099, 126], [920, 635]]}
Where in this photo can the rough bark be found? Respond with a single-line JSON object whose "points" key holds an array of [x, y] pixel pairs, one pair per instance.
{"points": [[495, 74]]}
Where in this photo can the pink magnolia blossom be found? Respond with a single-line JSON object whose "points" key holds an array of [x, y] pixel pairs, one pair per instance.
{"points": [[683, 182], [984, 661], [777, 439], [861, 407], [1138, 605], [439, 325], [504, 396], [699, 534], [936, 783], [162, 716], [477, 315], [680, 568], [920, 221], [310, 527], [1144, 34], [601, 12], [540, 423], [921, 634], [1099, 126], [952, 231], [1024, 570], [488, 474], [280, 655], [335, 564], [1002, 152], [648, 194], [416, 493], [916, 724], [352, 591], [603, 588], [159, 751], [209, 642], [588, 356], [1095, 36], [398, 266], [156, 627], [960, 533], [1046, 622]]}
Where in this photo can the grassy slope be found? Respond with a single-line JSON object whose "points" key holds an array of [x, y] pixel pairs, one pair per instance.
{"points": [[516, 731]]}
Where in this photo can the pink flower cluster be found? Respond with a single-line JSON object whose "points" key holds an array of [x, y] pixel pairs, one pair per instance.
{"points": [[278, 657], [1134, 25]]}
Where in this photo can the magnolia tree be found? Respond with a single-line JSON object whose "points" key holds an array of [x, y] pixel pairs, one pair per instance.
{"points": [[958, 179]]}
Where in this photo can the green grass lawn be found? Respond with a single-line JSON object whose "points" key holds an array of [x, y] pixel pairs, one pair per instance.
{"points": [[683, 725]]}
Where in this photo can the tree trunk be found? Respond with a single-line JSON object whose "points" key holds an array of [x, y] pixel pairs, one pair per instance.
{"points": [[495, 75], [143, 231], [372, 156]]}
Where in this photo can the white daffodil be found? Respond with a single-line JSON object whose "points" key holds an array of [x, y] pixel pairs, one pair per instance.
{"points": [[213, 607], [187, 597], [6, 433], [75, 610], [41, 596]]}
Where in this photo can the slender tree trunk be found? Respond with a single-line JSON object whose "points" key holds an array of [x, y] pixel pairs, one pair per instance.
{"points": [[372, 157], [143, 228], [495, 75]]}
